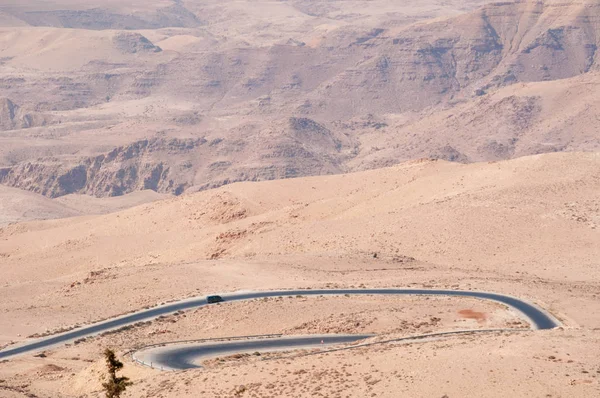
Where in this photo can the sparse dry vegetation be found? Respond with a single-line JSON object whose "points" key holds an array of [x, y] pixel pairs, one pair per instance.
{"points": [[114, 386]]}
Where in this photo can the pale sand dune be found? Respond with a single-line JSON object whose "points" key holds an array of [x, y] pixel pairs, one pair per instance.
{"points": [[18, 205], [91, 205], [8, 20], [178, 42], [52, 49]]}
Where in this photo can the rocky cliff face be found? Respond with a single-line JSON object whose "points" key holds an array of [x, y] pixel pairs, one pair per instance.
{"points": [[132, 43], [8, 112], [466, 88], [12, 117], [125, 169], [168, 165], [498, 45]]}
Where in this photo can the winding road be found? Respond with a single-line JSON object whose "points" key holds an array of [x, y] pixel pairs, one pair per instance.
{"points": [[188, 356], [538, 318]]}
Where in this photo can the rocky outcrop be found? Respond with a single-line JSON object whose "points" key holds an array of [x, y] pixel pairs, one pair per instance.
{"points": [[359, 97], [12, 117], [450, 154], [469, 55], [313, 135], [145, 164], [7, 114], [296, 147], [131, 43]]}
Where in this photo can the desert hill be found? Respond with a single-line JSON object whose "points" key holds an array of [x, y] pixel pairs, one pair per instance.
{"points": [[19, 206], [527, 227], [533, 217], [376, 87], [502, 43], [513, 121]]}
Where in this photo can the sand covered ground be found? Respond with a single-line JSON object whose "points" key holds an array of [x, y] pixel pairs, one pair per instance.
{"points": [[157, 150], [526, 227]]}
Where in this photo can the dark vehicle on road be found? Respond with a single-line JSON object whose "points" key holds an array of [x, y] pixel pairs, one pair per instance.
{"points": [[214, 299]]}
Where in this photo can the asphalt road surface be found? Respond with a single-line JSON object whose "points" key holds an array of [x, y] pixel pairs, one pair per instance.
{"points": [[186, 356], [538, 318], [189, 354]]}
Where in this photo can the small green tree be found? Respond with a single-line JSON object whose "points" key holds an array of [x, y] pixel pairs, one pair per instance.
{"points": [[115, 386]]}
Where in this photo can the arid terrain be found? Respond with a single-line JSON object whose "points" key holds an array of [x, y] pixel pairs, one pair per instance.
{"points": [[526, 227], [178, 96], [152, 151]]}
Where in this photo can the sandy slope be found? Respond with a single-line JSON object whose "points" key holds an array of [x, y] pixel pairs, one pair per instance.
{"points": [[19, 206], [527, 227], [52, 49], [90, 205]]}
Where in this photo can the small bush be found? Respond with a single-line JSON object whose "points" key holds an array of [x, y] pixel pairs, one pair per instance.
{"points": [[115, 386]]}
